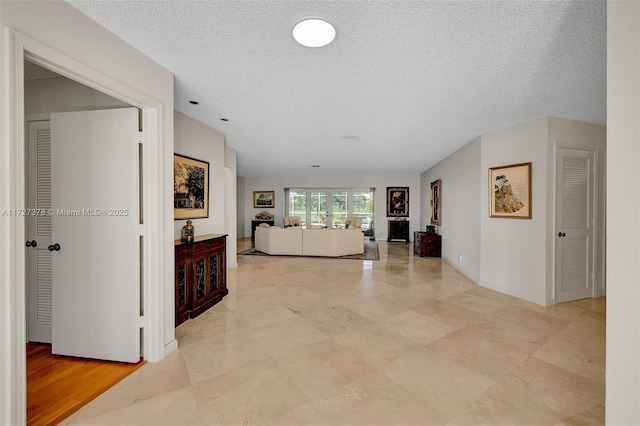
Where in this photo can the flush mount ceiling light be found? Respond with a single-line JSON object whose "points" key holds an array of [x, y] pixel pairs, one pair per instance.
{"points": [[314, 32]]}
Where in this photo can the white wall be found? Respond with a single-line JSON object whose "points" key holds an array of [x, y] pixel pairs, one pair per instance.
{"points": [[623, 213], [518, 255], [197, 140], [60, 94], [460, 206], [230, 205], [241, 224], [380, 182], [513, 250]]}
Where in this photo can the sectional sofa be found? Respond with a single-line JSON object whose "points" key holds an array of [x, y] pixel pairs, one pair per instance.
{"points": [[296, 241]]}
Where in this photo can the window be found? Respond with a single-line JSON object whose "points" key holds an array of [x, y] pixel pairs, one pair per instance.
{"points": [[331, 207]]}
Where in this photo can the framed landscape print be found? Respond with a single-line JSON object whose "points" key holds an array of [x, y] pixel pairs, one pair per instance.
{"points": [[264, 199], [397, 201], [190, 188], [436, 194], [510, 191]]}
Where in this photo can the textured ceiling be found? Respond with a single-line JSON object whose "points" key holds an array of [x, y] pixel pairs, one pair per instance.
{"points": [[404, 84]]}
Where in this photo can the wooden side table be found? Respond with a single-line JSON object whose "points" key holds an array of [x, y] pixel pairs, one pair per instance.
{"points": [[427, 245]]}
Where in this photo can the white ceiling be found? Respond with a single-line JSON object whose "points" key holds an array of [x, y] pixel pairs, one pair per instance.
{"points": [[405, 83]]}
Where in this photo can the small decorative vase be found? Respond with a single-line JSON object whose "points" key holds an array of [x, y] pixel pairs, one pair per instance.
{"points": [[188, 233]]}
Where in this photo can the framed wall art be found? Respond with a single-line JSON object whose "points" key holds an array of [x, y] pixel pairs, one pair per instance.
{"points": [[510, 191], [264, 199], [397, 201], [190, 188], [436, 196]]}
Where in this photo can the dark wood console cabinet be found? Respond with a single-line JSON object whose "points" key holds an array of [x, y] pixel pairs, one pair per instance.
{"points": [[427, 245], [398, 230], [201, 275]]}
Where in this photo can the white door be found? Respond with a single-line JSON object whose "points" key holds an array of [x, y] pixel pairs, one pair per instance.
{"points": [[95, 234], [575, 224], [38, 220]]}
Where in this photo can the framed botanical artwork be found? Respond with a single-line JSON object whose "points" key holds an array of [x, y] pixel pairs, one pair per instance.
{"points": [[510, 191], [397, 201], [190, 188], [436, 194], [264, 199]]}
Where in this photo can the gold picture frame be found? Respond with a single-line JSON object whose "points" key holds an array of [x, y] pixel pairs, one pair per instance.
{"points": [[190, 188], [510, 191], [264, 199], [436, 203]]}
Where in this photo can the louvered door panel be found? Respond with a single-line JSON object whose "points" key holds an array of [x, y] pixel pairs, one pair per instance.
{"points": [[575, 191], [39, 229], [575, 264]]}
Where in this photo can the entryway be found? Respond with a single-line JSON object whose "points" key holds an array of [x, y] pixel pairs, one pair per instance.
{"points": [[84, 243]]}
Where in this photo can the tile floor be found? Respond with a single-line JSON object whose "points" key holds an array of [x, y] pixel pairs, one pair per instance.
{"points": [[400, 341]]}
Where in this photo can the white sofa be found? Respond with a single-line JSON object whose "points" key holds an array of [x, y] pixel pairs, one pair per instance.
{"points": [[279, 240], [309, 242]]}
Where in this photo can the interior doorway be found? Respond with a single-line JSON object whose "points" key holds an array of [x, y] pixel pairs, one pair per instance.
{"points": [[575, 233], [47, 96]]}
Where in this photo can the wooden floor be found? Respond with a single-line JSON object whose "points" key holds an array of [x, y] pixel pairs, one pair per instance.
{"points": [[59, 386]]}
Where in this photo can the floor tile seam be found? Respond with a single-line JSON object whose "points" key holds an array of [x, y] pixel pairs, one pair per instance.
{"points": [[212, 338], [285, 351], [428, 402], [292, 382], [552, 314], [512, 374], [252, 362], [579, 372], [284, 370], [247, 322], [594, 382], [493, 336], [548, 338], [588, 409], [353, 352], [351, 383], [571, 338], [135, 402]]}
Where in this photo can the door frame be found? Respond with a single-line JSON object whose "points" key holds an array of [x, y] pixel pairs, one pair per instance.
{"points": [[16, 47]]}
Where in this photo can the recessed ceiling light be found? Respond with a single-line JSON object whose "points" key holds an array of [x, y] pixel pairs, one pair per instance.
{"points": [[193, 102], [314, 33]]}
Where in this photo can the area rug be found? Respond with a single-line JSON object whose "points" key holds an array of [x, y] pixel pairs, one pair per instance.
{"points": [[370, 253]]}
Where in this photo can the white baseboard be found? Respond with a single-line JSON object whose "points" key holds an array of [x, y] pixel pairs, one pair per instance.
{"points": [[170, 347]]}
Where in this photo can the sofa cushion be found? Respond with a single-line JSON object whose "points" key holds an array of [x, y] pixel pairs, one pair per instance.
{"points": [[279, 240], [332, 242]]}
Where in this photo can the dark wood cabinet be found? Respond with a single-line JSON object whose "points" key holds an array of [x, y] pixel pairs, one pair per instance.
{"points": [[427, 245], [255, 223], [398, 230], [201, 275]]}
